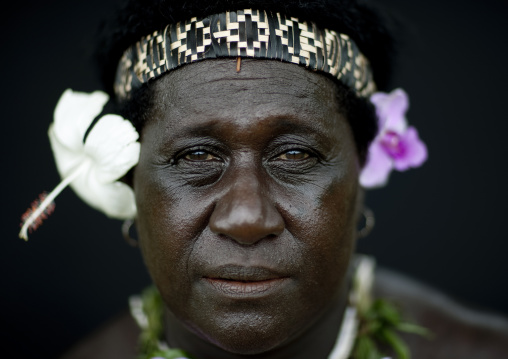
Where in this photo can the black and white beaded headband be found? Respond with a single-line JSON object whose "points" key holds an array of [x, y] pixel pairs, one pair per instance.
{"points": [[244, 33]]}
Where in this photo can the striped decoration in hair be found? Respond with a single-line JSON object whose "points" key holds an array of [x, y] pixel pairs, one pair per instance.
{"points": [[244, 33]]}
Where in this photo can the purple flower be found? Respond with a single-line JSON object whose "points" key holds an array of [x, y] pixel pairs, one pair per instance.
{"points": [[396, 145]]}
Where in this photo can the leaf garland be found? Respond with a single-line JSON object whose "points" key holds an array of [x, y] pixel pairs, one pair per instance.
{"points": [[379, 324], [149, 344]]}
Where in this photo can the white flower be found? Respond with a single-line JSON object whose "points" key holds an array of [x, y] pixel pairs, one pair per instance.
{"points": [[92, 168]]}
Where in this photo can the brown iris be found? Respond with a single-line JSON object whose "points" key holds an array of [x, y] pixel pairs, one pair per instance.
{"points": [[200, 156], [294, 155]]}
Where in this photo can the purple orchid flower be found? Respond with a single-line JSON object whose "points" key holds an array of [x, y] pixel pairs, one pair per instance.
{"points": [[396, 145]]}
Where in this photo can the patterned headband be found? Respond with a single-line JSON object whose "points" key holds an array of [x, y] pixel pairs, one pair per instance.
{"points": [[84, 147], [244, 33]]}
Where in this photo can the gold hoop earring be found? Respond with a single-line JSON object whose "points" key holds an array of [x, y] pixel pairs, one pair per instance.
{"points": [[126, 232], [370, 221]]}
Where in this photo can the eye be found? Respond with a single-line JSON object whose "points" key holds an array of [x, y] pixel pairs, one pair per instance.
{"points": [[200, 155], [199, 166], [294, 155]]}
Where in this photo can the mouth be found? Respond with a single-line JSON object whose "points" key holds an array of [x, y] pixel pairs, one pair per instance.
{"points": [[239, 281]]}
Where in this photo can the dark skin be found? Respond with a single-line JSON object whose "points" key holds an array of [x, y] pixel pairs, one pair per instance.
{"points": [[247, 191], [258, 169], [458, 332]]}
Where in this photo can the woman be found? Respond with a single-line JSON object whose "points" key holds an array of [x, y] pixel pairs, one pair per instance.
{"points": [[247, 188]]}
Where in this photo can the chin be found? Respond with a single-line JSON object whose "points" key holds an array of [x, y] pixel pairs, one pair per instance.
{"points": [[248, 334]]}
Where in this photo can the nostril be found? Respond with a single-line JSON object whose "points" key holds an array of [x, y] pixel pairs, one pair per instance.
{"points": [[246, 214], [241, 239], [223, 236]]}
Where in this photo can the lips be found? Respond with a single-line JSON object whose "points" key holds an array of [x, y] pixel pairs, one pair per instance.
{"points": [[240, 281]]}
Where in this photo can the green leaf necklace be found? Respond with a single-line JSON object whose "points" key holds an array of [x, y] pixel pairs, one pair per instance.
{"points": [[366, 324]]}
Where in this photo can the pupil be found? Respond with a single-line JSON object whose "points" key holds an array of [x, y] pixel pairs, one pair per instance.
{"points": [[198, 155], [295, 155]]}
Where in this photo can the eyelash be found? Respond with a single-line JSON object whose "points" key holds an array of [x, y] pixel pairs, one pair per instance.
{"points": [[208, 164], [203, 150], [290, 170], [213, 156], [283, 154], [209, 156], [304, 152]]}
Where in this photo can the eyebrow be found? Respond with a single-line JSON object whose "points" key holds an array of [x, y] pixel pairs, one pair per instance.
{"points": [[279, 123]]}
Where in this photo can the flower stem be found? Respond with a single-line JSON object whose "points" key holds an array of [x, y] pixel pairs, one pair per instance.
{"points": [[49, 199]]}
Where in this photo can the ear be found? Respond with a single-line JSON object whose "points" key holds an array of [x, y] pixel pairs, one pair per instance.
{"points": [[360, 197], [359, 206], [364, 216]]}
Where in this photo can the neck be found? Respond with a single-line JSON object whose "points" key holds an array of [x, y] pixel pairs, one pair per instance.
{"points": [[315, 341]]}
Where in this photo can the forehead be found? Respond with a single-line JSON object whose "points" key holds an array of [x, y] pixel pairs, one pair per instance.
{"points": [[212, 90]]}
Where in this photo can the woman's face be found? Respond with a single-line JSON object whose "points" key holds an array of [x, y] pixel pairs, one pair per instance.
{"points": [[247, 191]]}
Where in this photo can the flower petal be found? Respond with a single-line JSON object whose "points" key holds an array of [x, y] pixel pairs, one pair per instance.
{"points": [[73, 115], [391, 110], [66, 158], [115, 199], [415, 151], [376, 171], [113, 147]]}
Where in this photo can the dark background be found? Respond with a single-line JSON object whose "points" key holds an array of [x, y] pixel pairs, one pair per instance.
{"points": [[444, 224]]}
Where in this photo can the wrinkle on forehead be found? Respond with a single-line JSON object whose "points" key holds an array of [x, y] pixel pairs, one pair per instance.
{"points": [[213, 87]]}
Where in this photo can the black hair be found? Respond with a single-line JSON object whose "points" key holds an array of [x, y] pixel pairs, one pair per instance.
{"points": [[366, 26]]}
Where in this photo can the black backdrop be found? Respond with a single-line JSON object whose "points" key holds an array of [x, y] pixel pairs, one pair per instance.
{"points": [[444, 224]]}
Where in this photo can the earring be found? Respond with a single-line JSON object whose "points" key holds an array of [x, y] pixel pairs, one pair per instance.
{"points": [[370, 221], [126, 232]]}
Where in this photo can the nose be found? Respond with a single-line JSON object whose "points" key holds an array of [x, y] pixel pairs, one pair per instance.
{"points": [[245, 213]]}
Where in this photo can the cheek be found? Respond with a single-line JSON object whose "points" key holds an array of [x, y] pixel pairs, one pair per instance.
{"points": [[322, 218], [318, 240], [165, 234]]}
